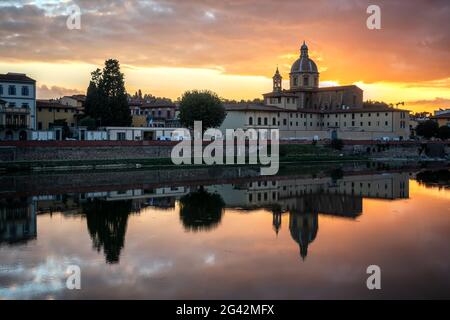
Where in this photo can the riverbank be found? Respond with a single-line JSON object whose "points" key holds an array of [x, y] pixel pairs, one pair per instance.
{"points": [[151, 163], [104, 155], [51, 182]]}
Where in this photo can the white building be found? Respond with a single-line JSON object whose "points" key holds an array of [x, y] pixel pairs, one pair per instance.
{"points": [[17, 106]]}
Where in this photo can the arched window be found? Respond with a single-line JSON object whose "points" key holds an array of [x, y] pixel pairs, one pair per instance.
{"points": [[295, 81], [250, 121], [265, 121], [305, 80], [259, 121]]}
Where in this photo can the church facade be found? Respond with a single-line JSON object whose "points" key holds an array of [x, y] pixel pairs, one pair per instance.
{"points": [[307, 111]]}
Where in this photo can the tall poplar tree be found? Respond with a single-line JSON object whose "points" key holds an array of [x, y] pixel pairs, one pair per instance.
{"points": [[106, 99]]}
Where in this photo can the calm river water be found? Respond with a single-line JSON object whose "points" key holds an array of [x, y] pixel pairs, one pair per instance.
{"points": [[293, 236]]}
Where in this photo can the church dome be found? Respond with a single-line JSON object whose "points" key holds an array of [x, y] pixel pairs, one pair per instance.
{"points": [[304, 63]]}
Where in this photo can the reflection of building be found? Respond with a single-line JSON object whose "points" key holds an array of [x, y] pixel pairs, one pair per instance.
{"points": [[303, 228], [17, 106], [303, 199], [17, 221], [342, 194], [306, 198], [69, 204]]}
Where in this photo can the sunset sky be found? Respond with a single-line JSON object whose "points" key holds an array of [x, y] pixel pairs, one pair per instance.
{"points": [[232, 46]]}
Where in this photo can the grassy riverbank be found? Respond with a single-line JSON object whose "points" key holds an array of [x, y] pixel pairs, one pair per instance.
{"points": [[288, 154]]}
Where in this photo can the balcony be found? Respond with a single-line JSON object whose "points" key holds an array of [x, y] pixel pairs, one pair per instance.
{"points": [[14, 118], [14, 110]]}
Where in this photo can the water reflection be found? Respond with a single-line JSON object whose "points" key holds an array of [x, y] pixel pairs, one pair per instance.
{"points": [[124, 225], [17, 221], [107, 225], [303, 228], [201, 210], [201, 207], [435, 178]]}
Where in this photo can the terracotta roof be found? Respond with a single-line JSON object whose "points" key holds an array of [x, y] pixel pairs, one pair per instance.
{"points": [[16, 77], [260, 107], [251, 107], [337, 88], [365, 109], [79, 97], [52, 104], [294, 92], [158, 104], [442, 116], [283, 93]]}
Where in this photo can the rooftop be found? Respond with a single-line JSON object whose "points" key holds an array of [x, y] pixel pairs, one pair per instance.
{"points": [[251, 107], [441, 116], [260, 107], [294, 92], [16, 77], [77, 97], [52, 104]]}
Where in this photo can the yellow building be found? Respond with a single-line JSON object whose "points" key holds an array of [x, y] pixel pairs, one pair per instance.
{"points": [[48, 111]]}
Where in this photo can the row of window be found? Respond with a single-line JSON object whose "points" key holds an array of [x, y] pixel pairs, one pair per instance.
{"points": [[153, 113], [265, 121], [12, 90], [66, 110], [13, 105], [260, 121], [16, 120], [305, 81], [265, 195]]}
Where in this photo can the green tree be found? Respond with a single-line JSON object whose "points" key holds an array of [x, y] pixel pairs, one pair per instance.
{"points": [[87, 122], [444, 132], [106, 99], [203, 106], [65, 127], [337, 144], [107, 226], [201, 210], [93, 104], [427, 129]]}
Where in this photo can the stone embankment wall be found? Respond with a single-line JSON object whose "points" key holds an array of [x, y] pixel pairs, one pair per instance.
{"points": [[84, 151], [113, 150], [400, 151]]}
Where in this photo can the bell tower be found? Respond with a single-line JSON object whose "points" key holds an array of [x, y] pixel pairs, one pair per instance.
{"points": [[277, 80]]}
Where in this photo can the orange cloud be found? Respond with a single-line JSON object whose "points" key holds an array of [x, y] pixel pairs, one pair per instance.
{"points": [[236, 38]]}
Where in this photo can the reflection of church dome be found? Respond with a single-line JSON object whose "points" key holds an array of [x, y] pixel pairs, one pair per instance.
{"points": [[303, 229], [304, 63]]}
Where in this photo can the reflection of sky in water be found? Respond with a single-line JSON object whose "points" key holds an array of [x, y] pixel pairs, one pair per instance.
{"points": [[43, 279], [243, 257]]}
